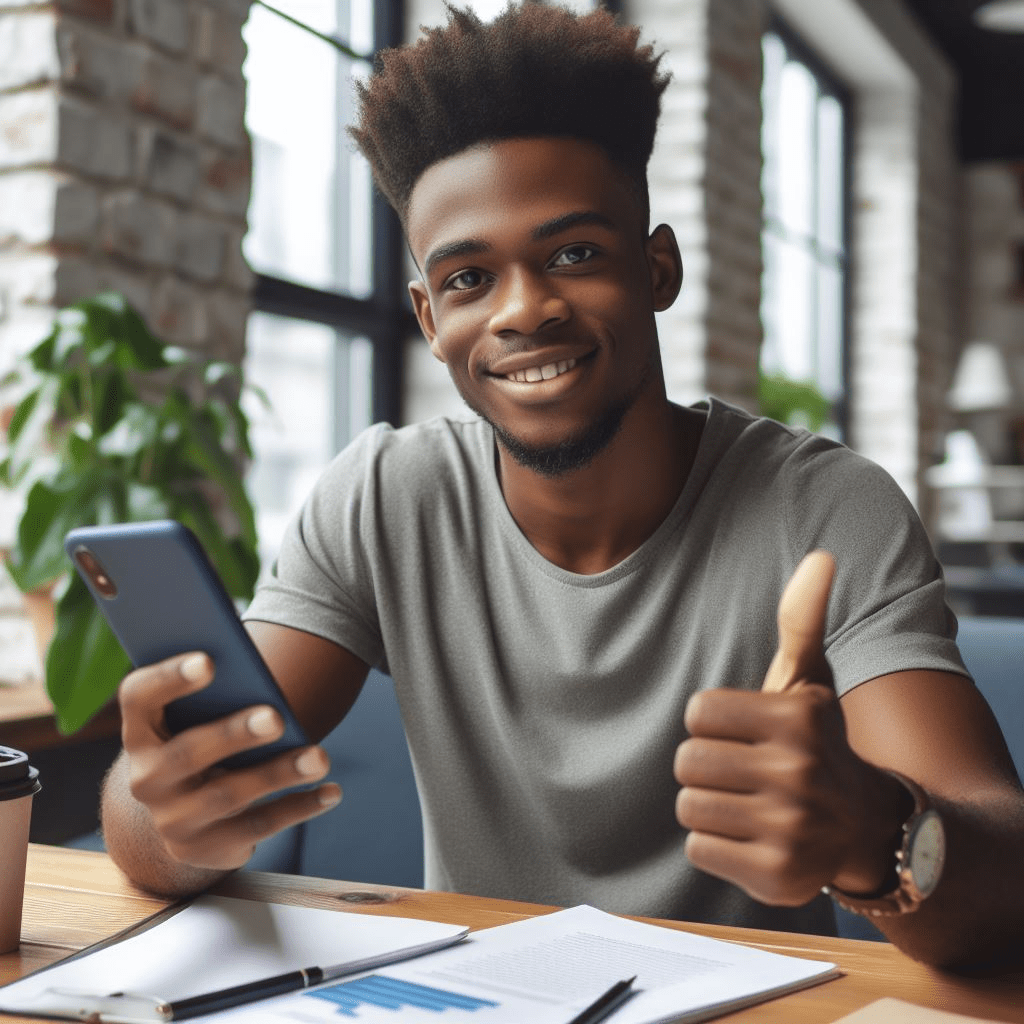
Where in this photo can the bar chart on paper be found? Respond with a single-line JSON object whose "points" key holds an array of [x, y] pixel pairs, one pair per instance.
{"points": [[367, 998]]}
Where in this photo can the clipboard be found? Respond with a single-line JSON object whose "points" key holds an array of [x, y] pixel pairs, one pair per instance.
{"points": [[211, 943]]}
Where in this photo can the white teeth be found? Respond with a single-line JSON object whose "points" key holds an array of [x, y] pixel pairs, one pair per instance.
{"points": [[536, 373]]}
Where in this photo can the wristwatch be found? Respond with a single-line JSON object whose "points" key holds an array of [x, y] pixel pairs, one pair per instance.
{"points": [[919, 862]]}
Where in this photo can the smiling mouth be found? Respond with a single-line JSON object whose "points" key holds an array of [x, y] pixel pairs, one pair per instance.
{"points": [[548, 371]]}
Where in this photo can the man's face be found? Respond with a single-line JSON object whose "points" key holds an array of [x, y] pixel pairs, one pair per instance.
{"points": [[539, 291]]}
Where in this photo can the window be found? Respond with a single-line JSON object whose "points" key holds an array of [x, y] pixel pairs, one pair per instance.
{"points": [[331, 314], [804, 181]]}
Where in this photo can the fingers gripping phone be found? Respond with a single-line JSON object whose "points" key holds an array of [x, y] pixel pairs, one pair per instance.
{"points": [[162, 597]]}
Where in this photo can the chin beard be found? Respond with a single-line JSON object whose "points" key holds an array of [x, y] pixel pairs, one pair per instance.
{"points": [[564, 457], [574, 453]]}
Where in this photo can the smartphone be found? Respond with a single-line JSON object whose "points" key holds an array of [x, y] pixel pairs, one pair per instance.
{"points": [[161, 596]]}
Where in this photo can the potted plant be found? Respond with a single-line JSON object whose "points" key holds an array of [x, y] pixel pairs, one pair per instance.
{"points": [[111, 425], [798, 403]]}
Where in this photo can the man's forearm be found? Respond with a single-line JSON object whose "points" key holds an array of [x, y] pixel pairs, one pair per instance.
{"points": [[135, 847], [977, 911]]}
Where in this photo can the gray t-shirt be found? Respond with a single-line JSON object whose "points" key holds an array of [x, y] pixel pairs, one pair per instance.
{"points": [[543, 707]]}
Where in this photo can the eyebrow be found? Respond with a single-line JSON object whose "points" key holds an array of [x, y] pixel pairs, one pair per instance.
{"points": [[473, 246], [571, 220], [468, 247]]}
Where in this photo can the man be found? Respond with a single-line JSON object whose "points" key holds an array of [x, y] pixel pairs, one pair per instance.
{"points": [[576, 592]]}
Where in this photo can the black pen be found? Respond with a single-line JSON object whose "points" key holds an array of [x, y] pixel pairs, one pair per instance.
{"points": [[606, 1004], [238, 995], [139, 1008]]}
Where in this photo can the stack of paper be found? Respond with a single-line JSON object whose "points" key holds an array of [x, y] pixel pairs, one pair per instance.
{"points": [[544, 970]]}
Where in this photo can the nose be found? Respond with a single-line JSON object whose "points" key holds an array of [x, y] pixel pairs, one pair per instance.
{"points": [[527, 303]]}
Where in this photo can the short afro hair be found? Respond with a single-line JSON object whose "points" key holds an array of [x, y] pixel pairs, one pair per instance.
{"points": [[534, 71]]}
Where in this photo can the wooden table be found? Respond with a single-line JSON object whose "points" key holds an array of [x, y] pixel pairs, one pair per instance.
{"points": [[74, 898], [27, 720]]}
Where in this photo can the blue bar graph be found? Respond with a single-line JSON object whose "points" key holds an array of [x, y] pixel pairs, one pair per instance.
{"points": [[386, 993]]}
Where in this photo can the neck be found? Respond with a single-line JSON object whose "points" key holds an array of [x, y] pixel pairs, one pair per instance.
{"points": [[591, 519]]}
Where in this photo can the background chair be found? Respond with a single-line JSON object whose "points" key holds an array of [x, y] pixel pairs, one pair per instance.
{"points": [[376, 833], [993, 651]]}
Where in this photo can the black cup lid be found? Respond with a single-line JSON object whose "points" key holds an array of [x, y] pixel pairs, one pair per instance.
{"points": [[17, 777]]}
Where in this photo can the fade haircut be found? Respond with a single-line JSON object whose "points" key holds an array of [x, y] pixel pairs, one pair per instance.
{"points": [[533, 71]]}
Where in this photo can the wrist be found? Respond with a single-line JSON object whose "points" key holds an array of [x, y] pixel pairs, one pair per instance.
{"points": [[921, 859], [870, 870]]}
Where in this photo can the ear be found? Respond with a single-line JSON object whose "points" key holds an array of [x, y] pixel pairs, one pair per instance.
{"points": [[424, 314], [666, 266]]}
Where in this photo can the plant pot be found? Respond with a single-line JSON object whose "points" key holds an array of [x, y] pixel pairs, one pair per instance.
{"points": [[40, 608]]}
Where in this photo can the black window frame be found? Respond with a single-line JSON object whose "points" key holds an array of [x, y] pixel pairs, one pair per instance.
{"points": [[384, 317]]}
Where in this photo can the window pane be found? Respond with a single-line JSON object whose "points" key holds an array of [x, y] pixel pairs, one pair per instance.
{"points": [[830, 173], [829, 373], [774, 52], [795, 308], [771, 359], [317, 381], [307, 216], [797, 101], [487, 10]]}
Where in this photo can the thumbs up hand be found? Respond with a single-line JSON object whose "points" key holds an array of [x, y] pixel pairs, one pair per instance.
{"points": [[775, 799], [802, 611]]}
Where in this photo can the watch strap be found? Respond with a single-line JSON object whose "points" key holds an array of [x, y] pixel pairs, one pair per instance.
{"points": [[903, 898]]}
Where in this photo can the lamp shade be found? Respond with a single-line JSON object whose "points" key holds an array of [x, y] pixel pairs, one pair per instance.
{"points": [[1001, 15], [981, 380]]}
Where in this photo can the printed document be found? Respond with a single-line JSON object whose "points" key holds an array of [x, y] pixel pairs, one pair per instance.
{"points": [[547, 969]]}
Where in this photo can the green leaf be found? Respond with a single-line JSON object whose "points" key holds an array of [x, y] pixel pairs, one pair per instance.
{"points": [[41, 357], [85, 663], [111, 319], [782, 399], [112, 400], [38, 556], [21, 415]]}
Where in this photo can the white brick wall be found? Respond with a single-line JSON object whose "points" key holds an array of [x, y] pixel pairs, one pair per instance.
{"points": [[122, 141]]}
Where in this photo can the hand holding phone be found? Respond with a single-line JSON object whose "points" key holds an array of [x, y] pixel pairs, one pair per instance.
{"points": [[162, 597], [208, 736]]}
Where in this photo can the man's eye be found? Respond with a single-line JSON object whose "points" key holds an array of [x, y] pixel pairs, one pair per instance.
{"points": [[573, 255], [465, 280]]}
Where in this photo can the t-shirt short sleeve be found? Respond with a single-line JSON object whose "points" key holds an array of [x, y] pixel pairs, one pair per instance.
{"points": [[321, 582], [887, 610]]}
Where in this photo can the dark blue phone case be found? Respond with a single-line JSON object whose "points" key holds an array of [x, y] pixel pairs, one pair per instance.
{"points": [[170, 600]]}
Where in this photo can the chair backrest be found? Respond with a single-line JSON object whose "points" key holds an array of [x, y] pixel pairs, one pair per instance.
{"points": [[376, 833], [993, 651]]}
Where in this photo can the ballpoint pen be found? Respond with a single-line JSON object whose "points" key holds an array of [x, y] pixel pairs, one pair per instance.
{"points": [[606, 1004], [132, 1007]]}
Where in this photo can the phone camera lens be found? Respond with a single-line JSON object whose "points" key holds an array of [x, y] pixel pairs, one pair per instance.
{"points": [[92, 568]]}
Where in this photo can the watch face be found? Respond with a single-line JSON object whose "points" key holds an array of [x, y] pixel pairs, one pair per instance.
{"points": [[927, 852]]}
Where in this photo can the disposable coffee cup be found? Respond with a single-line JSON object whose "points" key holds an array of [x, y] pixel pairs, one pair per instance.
{"points": [[19, 782]]}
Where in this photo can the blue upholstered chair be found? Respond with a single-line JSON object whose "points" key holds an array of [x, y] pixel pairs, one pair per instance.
{"points": [[375, 834], [993, 651]]}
